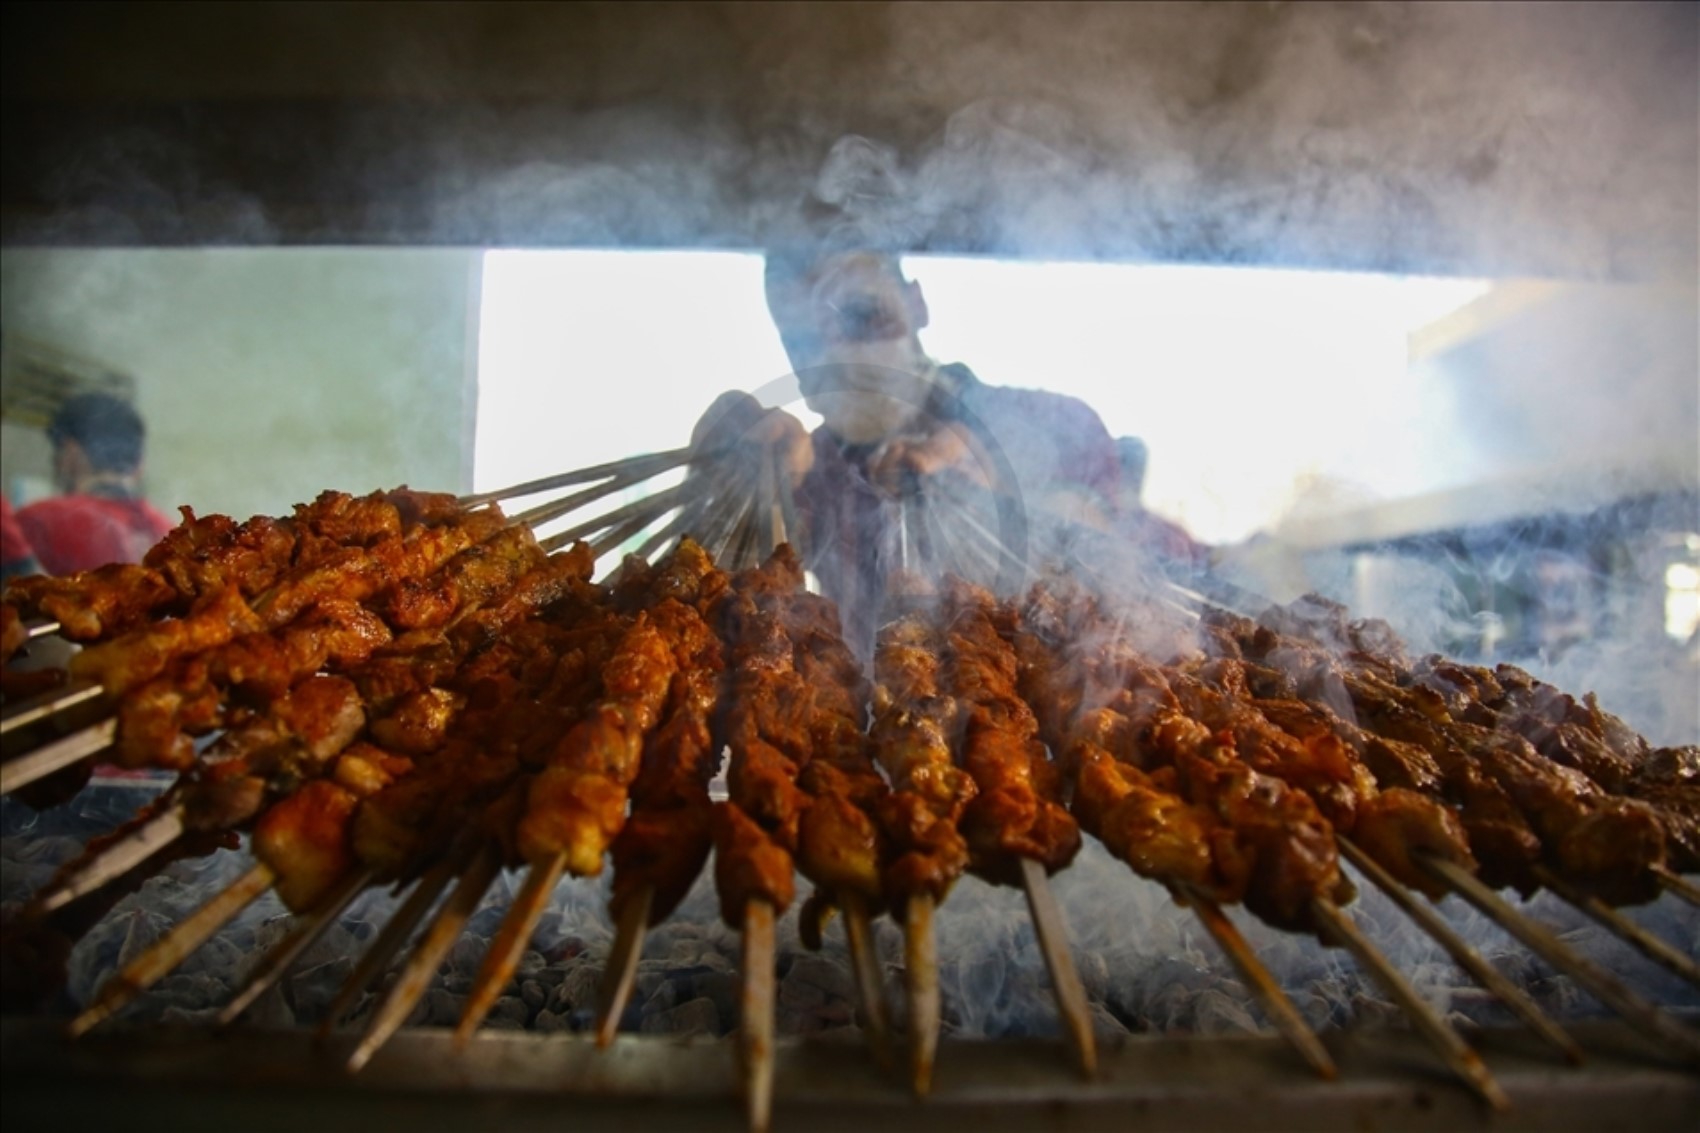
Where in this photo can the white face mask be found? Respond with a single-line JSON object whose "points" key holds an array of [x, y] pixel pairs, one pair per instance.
{"points": [[873, 390]]}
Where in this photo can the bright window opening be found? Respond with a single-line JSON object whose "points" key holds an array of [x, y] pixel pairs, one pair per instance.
{"points": [[1252, 388]]}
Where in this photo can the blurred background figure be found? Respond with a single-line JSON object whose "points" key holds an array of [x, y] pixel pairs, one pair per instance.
{"points": [[17, 557], [100, 516]]}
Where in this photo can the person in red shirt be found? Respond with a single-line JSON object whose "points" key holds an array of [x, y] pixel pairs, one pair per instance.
{"points": [[17, 557], [98, 443]]}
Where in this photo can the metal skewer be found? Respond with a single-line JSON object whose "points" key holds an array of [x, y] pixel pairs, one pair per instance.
{"points": [[39, 708], [301, 936], [439, 937], [114, 861], [394, 934], [1674, 882], [1466, 957], [536, 517], [755, 1030], [921, 986], [1281, 1011], [789, 529], [174, 947], [1537, 938], [61, 753], [612, 539], [41, 628], [1458, 1057], [1065, 981], [630, 468], [621, 972], [661, 540], [723, 528], [509, 944], [650, 507], [864, 964], [1620, 926]]}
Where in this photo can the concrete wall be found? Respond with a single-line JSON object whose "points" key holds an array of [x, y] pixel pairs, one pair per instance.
{"points": [[266, 375]]}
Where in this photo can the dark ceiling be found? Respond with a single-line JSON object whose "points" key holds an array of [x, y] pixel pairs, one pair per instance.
{"points": [[1551, 139]]}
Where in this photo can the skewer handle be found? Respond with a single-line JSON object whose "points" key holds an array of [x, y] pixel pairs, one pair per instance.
{"points": [[18, 773], [51, 703], [174, 947], [1285, 1016], [864, 961], [1621, 926], [621, 973], [114, 861], [1053, 942], [756, 1030], [1540, 940], [921, 986], [1463, 1061], [301, 936], [1466, 957]]}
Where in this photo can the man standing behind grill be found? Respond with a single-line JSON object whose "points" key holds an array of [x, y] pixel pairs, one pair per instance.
{"points": [[896, 423], [101, 518]]}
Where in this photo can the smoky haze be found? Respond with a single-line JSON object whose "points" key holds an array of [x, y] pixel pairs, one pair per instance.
{"points": [[1545, 140]]}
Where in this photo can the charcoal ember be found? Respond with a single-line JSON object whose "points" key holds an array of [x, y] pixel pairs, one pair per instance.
{"points": [[313, 989], [189, 1017], [833, 1014], [1372, 1012], [442, 1008], [94, 959], [1218, 1012], [719, 987], [1094, 973], [190, 992], [484, 923], [548, 1022], [337, 941], [663, 999], [1106, 1028], [271, 1011], [220, 957], [530, 963], [533, 995], [693, 1017], [650, 975], [1164, 1000], [468, 953], [271, 932], [507, 1014], [829, 974], [577, 990], [798, 996], [142, 929], [32, 862]]}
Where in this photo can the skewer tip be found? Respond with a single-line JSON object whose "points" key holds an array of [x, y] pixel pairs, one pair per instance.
{"points": [[1065, 981], [756, 1022], [621, 972], [921, 987], [864, 963]]}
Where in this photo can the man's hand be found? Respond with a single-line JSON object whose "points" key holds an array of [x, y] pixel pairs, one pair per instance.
{"points": [[903, 460], [737, 436]]}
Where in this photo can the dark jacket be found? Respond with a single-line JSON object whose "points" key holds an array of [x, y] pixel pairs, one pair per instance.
{"points": [[1037, 442]]}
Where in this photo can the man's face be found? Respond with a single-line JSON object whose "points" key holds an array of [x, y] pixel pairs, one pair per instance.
{"points": [[850, 331]]}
